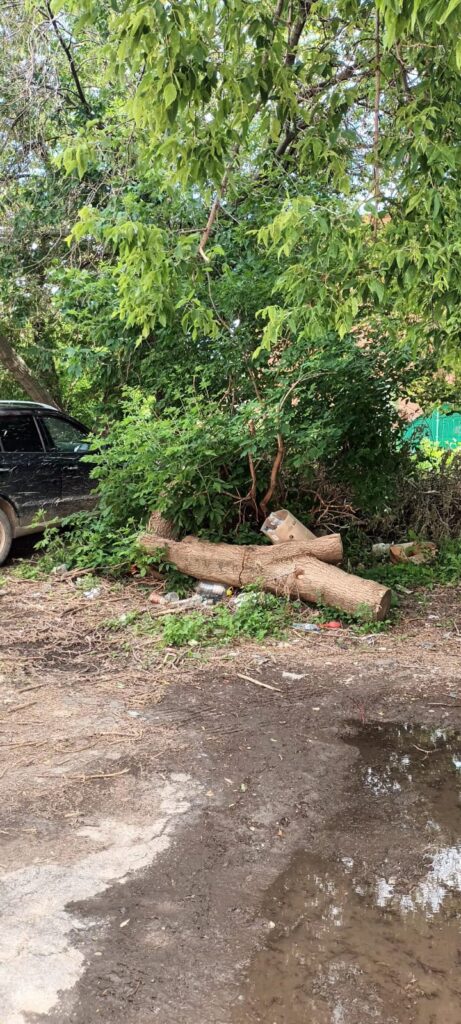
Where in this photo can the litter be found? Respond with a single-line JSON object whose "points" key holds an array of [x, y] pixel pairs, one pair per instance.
{"points": [[188, 604], [282, 526], [380, 550], [214, 592], [416, 552], [244, 597]]}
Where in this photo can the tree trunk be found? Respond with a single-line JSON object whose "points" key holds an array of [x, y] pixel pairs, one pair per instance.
{"points": [[234, 558], [23, 376], [289, 568]]}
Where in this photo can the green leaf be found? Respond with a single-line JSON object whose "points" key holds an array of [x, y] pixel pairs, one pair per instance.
{"points": [[458, 54], [446, 14], [377, 288], [169, 94], [435, 204], [391, 31]]}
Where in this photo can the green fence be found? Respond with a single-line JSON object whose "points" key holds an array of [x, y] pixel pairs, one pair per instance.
{"points": [[441, 427]]}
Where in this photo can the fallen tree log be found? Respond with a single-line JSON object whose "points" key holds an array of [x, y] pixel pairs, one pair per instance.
{"points": [[291, 569], [230, 557]]}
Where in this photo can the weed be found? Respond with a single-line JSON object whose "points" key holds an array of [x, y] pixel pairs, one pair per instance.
{"points": [[186, 630], [446, 569], [26, 570], [360, 621], [174, 579], [124, 620], [259, 616], [87, 582]]}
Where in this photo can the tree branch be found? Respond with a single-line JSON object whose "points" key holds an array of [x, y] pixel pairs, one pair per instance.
{"points": [[307, 94], [296, 31], [274, 474], [213, 214], [23, 376], [401, 63], [216, 205], [70, 59], [376, 178]]}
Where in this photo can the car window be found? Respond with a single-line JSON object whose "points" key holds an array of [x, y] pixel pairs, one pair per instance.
{"points": [[66, 437], [20, 434]]}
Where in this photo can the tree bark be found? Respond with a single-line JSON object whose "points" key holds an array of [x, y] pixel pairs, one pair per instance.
{"points": [[23, 376], [289, 569]]}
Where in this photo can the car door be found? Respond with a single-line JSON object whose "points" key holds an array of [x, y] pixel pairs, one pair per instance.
{"points": [[29, 477], [67, 443]]}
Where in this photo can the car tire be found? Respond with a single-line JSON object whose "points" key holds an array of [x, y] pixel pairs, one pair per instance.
{"points": [[6, 536]]}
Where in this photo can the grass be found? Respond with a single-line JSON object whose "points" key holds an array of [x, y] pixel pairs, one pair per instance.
{"points": [[258, 617], [28, 570], [261, 616]]}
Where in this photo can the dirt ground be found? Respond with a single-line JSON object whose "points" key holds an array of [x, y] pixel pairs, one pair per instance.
{"points": [[167, 826]]}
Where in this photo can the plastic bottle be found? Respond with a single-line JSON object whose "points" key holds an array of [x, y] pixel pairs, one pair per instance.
{"points": [[211, 591]]}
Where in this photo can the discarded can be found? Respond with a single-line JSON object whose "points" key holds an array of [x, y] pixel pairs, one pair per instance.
{"points": [[59, 570], [211, 591], [334, 624]]}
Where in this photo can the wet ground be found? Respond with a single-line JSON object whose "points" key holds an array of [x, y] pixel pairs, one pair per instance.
{"points": [[372, 932], [178, 844]]}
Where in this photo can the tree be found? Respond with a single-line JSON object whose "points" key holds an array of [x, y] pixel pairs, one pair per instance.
{"points": [[23, 376], [42, 104], [346, 109], [223, 203]]}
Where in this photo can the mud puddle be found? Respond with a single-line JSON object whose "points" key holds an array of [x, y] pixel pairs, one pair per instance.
{"points": [[365, 925]]}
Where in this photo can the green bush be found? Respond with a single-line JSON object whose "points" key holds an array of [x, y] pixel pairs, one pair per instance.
{"points": [[328, 407]]}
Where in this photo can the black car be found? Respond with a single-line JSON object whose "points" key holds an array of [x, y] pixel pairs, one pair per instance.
{"points": [[42, 476]]}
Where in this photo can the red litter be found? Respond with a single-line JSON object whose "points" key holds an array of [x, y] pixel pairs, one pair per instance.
{"points": [[332, 625]]}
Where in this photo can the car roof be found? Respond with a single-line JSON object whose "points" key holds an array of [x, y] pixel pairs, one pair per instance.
{"points": [[17, 406]]}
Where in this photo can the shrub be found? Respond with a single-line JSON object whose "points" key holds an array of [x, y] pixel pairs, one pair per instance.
{"points": [[427, 502], [214, 466]]}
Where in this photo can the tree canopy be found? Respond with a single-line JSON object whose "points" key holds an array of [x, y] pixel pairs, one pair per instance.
{"points": [[254, 204]]}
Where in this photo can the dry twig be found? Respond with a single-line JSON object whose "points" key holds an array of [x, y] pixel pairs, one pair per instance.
{"points": [[257, 682]]}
